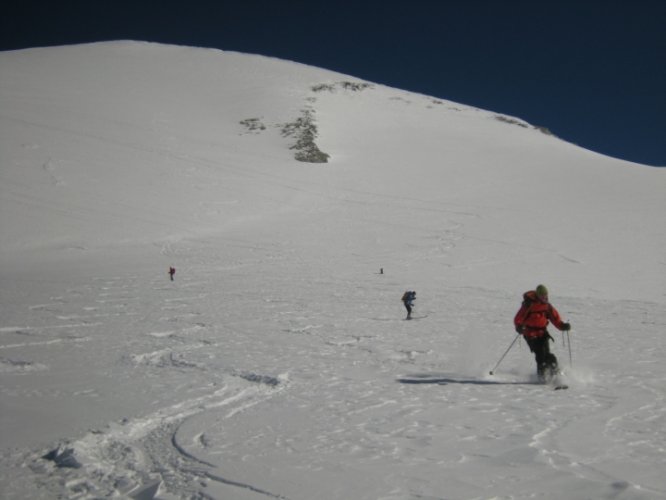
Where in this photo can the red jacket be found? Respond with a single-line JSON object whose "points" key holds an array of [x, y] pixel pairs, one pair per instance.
{"points": [[533, 316]]}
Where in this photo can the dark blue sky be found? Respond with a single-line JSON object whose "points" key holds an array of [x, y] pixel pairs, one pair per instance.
{"points": [[592, 71]]}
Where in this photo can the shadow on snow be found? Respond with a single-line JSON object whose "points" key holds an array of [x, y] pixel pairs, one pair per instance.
{"points": [[429, 378]]}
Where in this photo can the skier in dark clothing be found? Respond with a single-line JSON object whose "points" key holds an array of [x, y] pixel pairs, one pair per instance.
{"points": [[531, 321], [172, 271], [408, 299]]}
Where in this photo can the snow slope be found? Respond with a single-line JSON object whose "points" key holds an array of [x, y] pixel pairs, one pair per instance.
{"points": [[278, 363]]}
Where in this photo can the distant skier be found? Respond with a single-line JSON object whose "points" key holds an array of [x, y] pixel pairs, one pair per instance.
{"points": [[408, 299], [172, 271], [531, 321]]}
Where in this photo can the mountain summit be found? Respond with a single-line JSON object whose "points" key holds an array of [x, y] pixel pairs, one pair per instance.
{"points": [[127, 143]]}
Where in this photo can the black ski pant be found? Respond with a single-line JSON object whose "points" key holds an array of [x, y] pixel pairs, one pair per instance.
{"points": [[409, 309], [540, 346]]}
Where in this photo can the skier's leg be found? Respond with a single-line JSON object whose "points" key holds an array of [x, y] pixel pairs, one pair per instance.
{"points": [[539, 347], [550, 360]]}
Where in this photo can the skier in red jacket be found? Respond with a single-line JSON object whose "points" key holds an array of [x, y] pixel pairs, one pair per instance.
{"points": [[531, 322]]}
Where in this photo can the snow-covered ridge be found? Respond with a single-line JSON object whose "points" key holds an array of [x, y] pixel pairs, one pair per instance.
{"points": [[277, 363], [113, 143]]}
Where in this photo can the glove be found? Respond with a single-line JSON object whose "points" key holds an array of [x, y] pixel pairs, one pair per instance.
{"points": [[520, 329], [566, 327]]}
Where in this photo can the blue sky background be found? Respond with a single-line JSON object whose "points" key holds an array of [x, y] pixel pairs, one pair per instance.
{"points": [[592, 71]]}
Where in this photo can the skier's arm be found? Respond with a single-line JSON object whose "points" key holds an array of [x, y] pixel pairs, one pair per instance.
{"points": [[556, 320], [520, 317]]}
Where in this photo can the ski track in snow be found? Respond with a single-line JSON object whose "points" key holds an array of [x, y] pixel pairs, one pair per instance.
{"points": [[206, 392], [129, 457], [181, 448]]}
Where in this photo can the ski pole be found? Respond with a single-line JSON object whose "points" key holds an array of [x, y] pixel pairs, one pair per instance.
{"points": [[569, 342], [503, 355]]}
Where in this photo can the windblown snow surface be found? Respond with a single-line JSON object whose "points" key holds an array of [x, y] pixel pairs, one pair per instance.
{"points": [[278, 363]]}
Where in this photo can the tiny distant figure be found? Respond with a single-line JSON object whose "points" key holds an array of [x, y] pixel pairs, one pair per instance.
{"points": [[531, 321], [172, 271], [408, 299], [381, 270]]}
